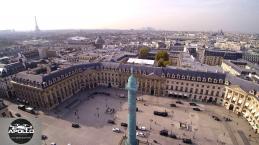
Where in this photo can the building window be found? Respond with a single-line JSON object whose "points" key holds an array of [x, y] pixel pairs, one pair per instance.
{"points": [[212, 93]]}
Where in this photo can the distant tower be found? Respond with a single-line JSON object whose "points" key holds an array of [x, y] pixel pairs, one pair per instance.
{"points": [[37, 29], [99, 42], [43, 52], [132, 94]]}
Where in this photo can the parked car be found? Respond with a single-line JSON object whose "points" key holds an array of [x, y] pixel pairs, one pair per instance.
{"points": [[187, 141], [18, 114], [215, 118], [53, 143], [75, 125], [227, 119], [196, 109], [142, 128], [124, 124], [110, 122], [172, 105], [44, 137], [21, 107], [173, 136], [193, 104], [30, 110], [163, 114], [141, 134], [164, 132], [179, 102], [116, 130]]}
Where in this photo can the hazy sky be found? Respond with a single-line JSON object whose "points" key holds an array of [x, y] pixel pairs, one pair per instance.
{"points": [[206, 15]]}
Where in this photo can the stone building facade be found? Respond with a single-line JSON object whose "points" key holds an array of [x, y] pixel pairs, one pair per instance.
{"points": [[49, 90], [243, 103]]}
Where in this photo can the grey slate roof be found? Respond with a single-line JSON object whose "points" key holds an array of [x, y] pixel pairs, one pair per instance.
{"points": [[43, 79], [244, 84]]}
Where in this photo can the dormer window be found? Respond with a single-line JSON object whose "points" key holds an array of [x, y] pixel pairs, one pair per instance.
{"points": [[220, 81], [252, 92], [204, 79], [183, 77], [215, 81], [178, 76], [193, 78], [188, 77], [209, 80], [198, 78], [163, 75], [173, 76], [168, 75]]}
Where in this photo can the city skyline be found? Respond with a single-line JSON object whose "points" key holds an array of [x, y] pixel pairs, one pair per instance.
{"points": [[176, 15]]}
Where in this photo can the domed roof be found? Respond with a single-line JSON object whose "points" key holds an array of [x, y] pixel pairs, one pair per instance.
{"points": [[99, 40]]}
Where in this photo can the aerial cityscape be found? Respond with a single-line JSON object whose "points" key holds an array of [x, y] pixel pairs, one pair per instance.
{"points": [[130, 84]]}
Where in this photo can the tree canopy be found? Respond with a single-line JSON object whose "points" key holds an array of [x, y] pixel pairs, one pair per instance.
{"points": [[143, 53], [162, 55]]}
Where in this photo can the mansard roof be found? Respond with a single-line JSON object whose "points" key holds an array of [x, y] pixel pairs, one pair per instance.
{"points": [[44, 80]]}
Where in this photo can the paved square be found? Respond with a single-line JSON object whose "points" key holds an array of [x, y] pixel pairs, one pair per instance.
{"points": [[95, 130]]}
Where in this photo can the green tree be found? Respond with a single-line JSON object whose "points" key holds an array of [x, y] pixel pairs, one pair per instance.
{"points": [[162, 58], [162, 55], [143, 53]]}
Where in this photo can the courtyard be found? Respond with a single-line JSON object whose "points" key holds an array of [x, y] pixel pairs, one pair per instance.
{"points": [[90, 111]]}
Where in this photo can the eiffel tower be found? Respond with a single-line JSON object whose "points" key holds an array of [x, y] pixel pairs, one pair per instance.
{"points": [[36, 25]]}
